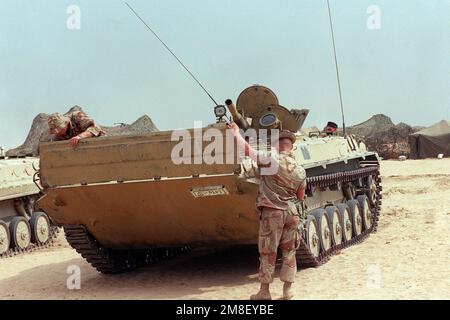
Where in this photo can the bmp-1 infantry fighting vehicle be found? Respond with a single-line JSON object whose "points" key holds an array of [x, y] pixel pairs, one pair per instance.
{"points": [[125, 201], [22, 226]]}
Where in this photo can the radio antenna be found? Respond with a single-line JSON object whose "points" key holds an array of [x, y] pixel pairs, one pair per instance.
{"points": [[173, 54], [337, 67]]}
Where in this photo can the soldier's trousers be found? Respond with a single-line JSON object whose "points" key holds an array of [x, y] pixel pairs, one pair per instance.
{"points": [[278, 228]]}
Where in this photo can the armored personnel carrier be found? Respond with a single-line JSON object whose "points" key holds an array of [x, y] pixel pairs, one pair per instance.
{"points": [[130, 200], [22, 226]]}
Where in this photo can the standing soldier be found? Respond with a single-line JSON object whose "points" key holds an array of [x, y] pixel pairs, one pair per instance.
{"points": [[74, 126], [279, 220]]}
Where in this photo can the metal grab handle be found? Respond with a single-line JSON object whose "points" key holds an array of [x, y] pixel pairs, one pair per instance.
{"points": [[313, 133], [37, 179]]}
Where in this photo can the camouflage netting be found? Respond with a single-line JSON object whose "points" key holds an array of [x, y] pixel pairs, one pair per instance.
{"points": [[380, 134], [39, 133]]}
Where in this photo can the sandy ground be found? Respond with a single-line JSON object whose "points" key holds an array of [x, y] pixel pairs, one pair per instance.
{"points": [[408, 258]]}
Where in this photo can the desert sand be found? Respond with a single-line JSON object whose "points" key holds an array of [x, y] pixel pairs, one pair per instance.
{"points": [[408, 258]]}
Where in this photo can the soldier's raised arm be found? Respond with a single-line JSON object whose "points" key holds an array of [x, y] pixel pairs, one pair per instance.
{"points": [[87, 126], [248, 149]]}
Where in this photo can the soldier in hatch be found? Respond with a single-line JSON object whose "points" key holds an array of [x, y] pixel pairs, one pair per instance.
{"points": [[330, 129], [279, 218], [74, 126]]}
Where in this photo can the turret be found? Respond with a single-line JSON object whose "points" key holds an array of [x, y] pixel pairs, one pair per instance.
{"points": [[261, 105]]}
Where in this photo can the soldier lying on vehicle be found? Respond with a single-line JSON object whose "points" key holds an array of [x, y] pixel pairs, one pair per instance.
{"points": [[74, 126]]}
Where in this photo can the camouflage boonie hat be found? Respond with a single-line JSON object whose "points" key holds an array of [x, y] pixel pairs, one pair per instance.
{"points": [[58, 121], [287, 134]]}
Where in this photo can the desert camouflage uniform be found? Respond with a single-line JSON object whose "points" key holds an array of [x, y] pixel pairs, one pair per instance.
{"points": [[279, 217], [79, 123]]}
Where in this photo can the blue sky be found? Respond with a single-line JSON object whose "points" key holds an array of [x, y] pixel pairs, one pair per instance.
{"points": [[118, 71]]}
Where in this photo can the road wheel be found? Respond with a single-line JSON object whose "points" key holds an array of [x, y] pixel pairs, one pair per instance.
{"points": [[312, 236], [372, 190], [20, 232], [4, 237], [355, 214], [346, 221], [40, 228], [324, 228], [366, 213], [336, 228]]}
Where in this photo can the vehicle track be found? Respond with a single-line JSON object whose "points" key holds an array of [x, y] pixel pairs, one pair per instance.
{"points": [[54, 231], [110, 261], [304, 256]]}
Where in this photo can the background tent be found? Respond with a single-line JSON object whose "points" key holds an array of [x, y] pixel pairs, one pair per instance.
{"points": [[431, 141]]}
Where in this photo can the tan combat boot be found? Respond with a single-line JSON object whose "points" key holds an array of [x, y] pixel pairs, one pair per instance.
{"points": [[287, 291], [263, 294]]}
